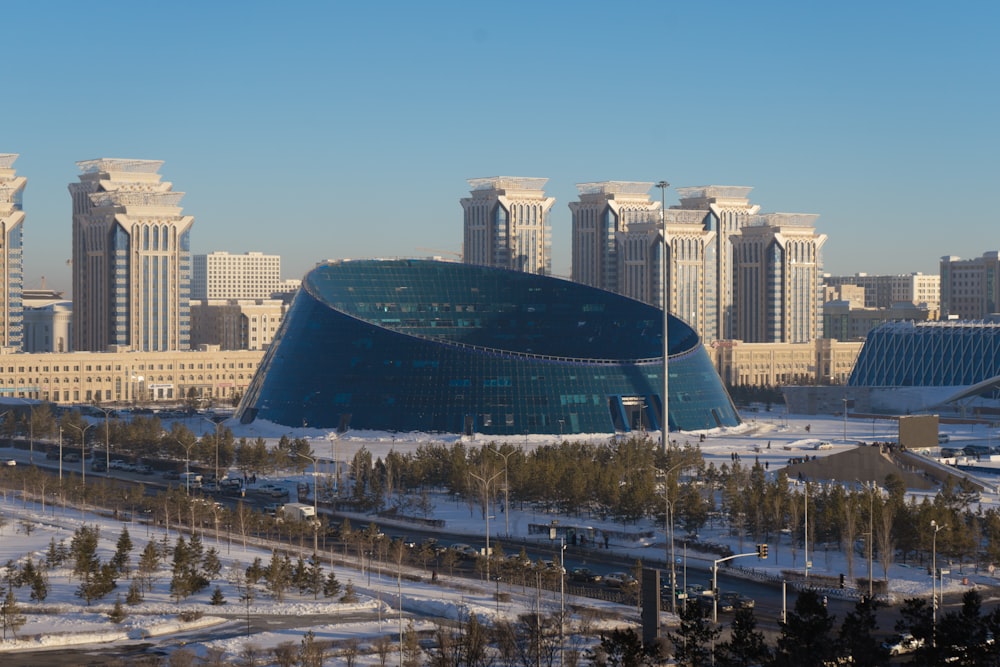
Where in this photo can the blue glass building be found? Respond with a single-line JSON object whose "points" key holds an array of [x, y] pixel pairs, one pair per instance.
{"points": [[419, 345], [958, 353]]}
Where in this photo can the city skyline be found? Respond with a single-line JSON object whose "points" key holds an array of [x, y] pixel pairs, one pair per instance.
{"points": [[330, 131]]}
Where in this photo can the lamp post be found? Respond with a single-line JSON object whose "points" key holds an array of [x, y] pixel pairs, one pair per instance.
{"points": [[665, 275], [486, 507], [107, 437], [934, 604], [60, 455], [187, 463], [216, 422], [669, 531], [83, 451], [845, 419], [31, 432], [315, 506], [506, 490]]}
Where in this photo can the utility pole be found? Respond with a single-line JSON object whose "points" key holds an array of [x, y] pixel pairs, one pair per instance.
{"points": [[665, 279]]}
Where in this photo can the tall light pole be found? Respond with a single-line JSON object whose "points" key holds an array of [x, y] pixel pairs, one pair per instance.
{"points": [[669, 517], [60, 455], [315, 506], [83, 450], [216, 422], [506, 490], [845, 419], [665, 275], [31, 432], [107, 438], [486, 507], [934, 605], [187, 462]]}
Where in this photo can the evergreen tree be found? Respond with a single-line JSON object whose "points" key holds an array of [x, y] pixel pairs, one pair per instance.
{"points": [[331, 587], [117, 613], [122, 551], [299, 575], [746, 646], [805, 636], [35, 577], [916, 617], [314, 577], [278, 575], [134, 594], [11, 617], [962, 634], [217, 597], [349, 596], [149, 562], [619, 648], [83, 548], [211, 564], [857, 636], [693, 640], [255, 571]]}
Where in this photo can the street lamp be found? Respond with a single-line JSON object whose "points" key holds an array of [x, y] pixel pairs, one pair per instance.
{"points": [[845, 418], [315, 507], [486, 507], [107, 437], [60, 455], [31, 432], [669, 528], [187, 463], [217, 422], [665, 426], [934, 591], [506, 489], [83, 450]]}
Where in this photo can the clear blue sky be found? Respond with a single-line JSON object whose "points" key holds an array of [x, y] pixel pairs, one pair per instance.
{"points": [[329, 129]]}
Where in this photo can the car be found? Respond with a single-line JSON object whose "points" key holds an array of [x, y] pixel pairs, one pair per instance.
{"points": [[618, 579], [144, 469], [273, 508], [734, 600], [117, 464], [11, 462], [71, 458], [128, 467], [171, 474], [903, 643], [464, 551], [585, 575], [99, 466]]}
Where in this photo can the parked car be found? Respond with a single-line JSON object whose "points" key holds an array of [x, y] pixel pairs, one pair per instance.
{"points": [[117, 464], [618, 579], [11, 462], [903, 643], [585, 575]]}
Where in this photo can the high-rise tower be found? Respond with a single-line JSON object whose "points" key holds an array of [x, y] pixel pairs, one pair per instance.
{"points": [[507, 224], [778, 268], [11, 266], [131, 258]]}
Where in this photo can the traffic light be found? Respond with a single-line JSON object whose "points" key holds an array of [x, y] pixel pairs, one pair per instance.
{"points": [[841, 579], [762, 550]]}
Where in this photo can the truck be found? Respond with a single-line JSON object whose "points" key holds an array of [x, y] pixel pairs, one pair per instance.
{"points": [[297, 512], [190, 480]]}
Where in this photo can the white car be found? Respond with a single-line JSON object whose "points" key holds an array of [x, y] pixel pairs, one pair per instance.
{"points": [[11, 462], [618, 579], [900, 644]]}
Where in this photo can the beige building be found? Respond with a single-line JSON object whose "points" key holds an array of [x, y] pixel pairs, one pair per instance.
{"points": [[885, 291], [821, 361], [970, 288], [236, 324], [219, 275], [844, 320], [777, 265], [128, 377], [131, 263], [507, 224], [11, 258]]}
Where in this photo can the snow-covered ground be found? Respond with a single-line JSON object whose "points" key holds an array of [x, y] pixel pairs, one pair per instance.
{"points": [[770, 437]]}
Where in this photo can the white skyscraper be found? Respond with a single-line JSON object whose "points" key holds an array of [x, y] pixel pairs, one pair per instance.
{"points": [[507, 224], [11, 265]]}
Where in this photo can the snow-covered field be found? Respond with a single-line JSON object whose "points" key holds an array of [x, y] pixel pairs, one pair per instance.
{"points": [[27, 530]]}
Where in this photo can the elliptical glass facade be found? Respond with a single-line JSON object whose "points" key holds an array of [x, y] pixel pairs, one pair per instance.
{"points": [[419, 345], [928, 354]]}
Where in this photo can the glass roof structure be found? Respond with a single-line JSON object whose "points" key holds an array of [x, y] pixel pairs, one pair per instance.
{"points": [[422, 345]]}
